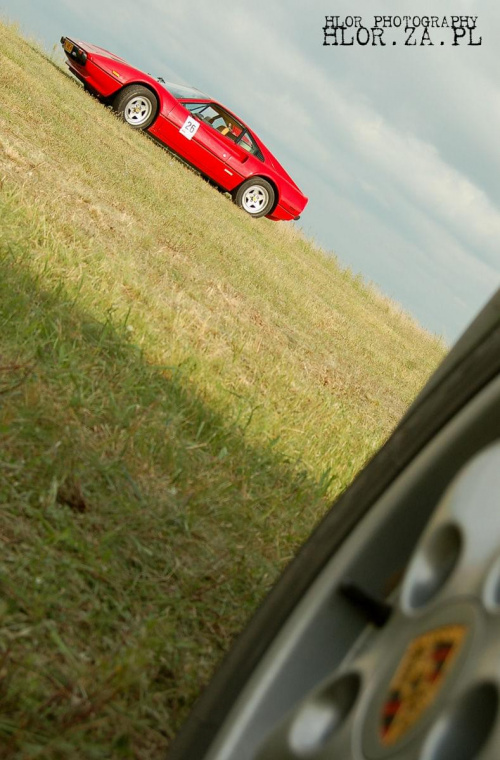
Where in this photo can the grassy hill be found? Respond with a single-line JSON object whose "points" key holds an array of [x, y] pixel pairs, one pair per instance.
{"points": [[182, 392]]}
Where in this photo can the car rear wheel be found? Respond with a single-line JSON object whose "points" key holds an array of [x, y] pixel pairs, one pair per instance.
{"points": [[255, 196], [382, 638], [137, 106]]}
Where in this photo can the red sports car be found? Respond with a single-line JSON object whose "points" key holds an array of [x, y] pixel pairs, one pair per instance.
{"points": [[202, 132]]}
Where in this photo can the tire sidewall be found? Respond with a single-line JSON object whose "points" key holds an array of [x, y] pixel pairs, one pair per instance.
{"points": [[128, 94], [256, 182]]}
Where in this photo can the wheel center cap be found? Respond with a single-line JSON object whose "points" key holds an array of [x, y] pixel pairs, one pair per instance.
{"points": [[410, 691], [420, 676]]}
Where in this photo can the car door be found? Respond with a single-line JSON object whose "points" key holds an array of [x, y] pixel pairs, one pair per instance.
{"points": [[209, 138], [178, 130], [222, 157]]}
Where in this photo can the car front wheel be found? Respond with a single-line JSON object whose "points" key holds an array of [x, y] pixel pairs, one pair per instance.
{"points": [[255, 196], [137, 106]]}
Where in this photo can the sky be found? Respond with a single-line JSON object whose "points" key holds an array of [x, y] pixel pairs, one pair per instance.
{"points": [[396, 146]]}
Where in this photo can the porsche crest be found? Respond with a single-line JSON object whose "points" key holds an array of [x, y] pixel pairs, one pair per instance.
{"points": [[418, 680]]}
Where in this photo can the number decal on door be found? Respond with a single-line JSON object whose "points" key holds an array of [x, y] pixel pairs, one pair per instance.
{"points": [[189, 128]]}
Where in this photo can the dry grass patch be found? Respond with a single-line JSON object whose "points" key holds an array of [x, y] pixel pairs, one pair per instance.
{"points": [[182, 392]]}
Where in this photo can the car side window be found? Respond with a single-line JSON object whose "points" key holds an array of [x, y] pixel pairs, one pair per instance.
{"points": [[247, 142], [204, 111], [225, 123], [216, 117]]}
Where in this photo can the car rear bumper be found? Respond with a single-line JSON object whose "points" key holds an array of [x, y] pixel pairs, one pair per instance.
{"points": [[289, 206], [282, 214]]}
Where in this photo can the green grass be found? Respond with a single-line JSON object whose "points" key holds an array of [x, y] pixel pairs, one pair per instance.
{"points": [[183, 390]]}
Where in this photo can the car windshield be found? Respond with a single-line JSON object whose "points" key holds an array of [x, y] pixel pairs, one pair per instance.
{"points": [[181, 91]]}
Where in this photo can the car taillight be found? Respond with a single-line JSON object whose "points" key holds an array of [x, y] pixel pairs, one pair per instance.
{"points": [[73, 51]]}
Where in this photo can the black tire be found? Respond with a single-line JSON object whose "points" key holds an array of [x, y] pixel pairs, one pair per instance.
{"points": [[137, 106], [256, 196], [359, 580]]}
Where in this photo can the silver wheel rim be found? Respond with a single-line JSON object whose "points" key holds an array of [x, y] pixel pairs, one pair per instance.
{"points": [[255, 199], [137, 111], [306, 699]]}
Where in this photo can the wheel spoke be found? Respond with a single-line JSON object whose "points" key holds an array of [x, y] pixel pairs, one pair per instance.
{"points": [[138, 110], [320, 727], [255, 198], [456, 555], [465, 727]]}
